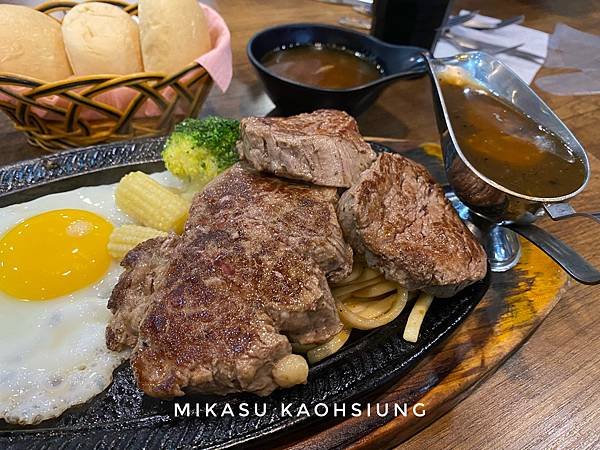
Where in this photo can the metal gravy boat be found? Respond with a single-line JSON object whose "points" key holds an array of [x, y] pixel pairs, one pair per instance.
{"points": [[494, 209]]}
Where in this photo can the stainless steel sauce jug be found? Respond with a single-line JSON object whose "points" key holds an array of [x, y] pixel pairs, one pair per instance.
{"points": [[495, 209]]}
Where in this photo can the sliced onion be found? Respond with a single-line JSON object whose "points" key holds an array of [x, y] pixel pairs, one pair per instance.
{"points": [[350, 288], [328, 348], [354, 320], [376, 290]]}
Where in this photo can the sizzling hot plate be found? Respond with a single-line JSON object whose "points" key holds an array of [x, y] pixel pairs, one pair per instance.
{"points": [[122, 417]]}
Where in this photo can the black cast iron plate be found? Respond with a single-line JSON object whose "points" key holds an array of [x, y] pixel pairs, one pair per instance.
{"points": [[122, 417]]}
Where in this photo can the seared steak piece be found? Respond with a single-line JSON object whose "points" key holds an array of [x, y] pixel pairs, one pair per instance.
{"points": [[132, 295], [296, 214], [215, 320], [323, 147], [398, 218], [214, 310]]}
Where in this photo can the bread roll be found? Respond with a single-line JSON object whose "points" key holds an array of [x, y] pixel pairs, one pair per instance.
{"points": [[31, 44], [173, 33], [101, 39]]}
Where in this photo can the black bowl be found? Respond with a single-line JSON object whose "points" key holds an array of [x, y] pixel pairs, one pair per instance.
{"points": [[395, 61]]}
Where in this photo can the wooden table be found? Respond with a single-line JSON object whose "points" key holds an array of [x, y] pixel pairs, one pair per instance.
{"points": [[547, 395]]}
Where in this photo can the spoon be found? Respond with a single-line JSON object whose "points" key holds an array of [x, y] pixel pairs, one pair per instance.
{"points": [[477, 24], [459, 20], [466, 44], [490, 49]]}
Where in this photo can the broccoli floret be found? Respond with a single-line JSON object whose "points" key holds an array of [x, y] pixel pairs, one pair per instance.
{"points": [[200, 149]]}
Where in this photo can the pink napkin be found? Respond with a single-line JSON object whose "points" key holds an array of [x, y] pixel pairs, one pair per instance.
{"points": [[217, 62]]}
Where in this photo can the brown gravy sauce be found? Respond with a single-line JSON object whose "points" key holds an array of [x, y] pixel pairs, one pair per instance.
{"points": [[507, 146], [321, 66]]}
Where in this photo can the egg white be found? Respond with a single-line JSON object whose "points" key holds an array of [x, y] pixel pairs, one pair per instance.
{"points": [[53, 353]]}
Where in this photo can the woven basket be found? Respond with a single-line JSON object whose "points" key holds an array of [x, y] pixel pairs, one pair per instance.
{"points": [[55, 115]]}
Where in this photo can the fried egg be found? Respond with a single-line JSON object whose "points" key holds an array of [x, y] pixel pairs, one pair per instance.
{"points": [[55, 280]]}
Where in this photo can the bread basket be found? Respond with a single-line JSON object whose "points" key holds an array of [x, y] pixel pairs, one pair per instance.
{"points": [[83, 110]]}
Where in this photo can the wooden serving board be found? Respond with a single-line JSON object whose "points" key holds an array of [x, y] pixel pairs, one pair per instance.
{"points": [[515, 305]]}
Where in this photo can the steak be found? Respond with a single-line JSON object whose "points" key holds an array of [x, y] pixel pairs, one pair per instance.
{"points": [[214, 310], [398, 219], [323, 147], [299, 215], [132, 295]]}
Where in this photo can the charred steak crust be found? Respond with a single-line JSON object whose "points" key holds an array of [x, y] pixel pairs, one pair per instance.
{"points": [[132, 295], [217, 324], [399, 220], [212, 311], [299, 215], [323, 147]]}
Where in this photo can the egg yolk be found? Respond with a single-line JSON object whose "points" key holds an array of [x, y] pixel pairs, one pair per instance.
{"points": [[54, 254]]}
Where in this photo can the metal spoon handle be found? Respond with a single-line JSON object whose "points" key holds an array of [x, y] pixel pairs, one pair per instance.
{"points": [[565, 256], [561, 211], [503, 23], [457, 20]]}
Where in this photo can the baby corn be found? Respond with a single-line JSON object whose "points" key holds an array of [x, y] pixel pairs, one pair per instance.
{"points": [[126, 237], [151, 204]]}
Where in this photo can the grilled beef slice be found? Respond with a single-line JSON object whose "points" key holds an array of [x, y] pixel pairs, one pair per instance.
{"points": [[212, 311], [299, 215], [399, 220], [323, 147]]}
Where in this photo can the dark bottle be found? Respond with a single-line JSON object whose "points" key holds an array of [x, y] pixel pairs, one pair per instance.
{"points": [[410, 22]]}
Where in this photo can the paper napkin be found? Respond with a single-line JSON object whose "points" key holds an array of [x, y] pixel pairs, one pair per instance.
{"points": [[534, 41]]}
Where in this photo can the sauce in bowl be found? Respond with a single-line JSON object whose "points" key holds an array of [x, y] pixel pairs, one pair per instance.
{"points": [[509, 147], [321, 66]]}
